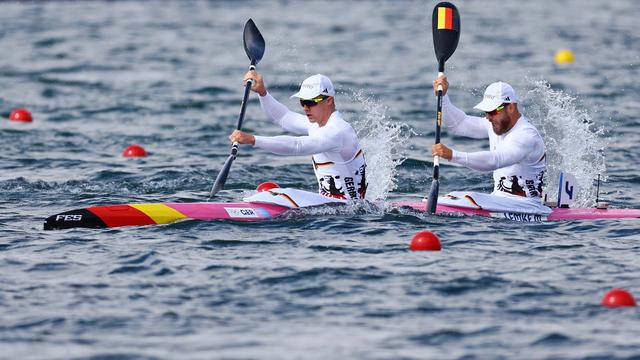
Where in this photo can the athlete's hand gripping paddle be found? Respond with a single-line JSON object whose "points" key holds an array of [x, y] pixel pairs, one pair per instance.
{"points": [[446, 33], [254, 47]]}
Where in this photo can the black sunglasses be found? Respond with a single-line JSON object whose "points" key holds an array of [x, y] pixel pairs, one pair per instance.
{"points": [[313, 102]]}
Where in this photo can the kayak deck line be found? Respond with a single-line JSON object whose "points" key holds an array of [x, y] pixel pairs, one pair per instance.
{"points": [[110, 216]]}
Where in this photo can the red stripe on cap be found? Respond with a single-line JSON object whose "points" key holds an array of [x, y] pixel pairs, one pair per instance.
{"points": [[121, 215]]}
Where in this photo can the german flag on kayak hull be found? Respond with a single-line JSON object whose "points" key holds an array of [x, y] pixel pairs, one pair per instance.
{"points": [[108, 216]]}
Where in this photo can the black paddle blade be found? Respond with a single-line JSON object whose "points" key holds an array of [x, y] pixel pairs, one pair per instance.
{"points": [[253, 42], [446, 31], [222, 176], [432, 200]]}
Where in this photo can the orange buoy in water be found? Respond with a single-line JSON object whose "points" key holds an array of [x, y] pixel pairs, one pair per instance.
{"points": [[266, 186], [618, 298], [21, 115], [425, 240], [134, 151]]}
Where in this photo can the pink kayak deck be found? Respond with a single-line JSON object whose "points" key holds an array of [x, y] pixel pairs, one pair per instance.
{"points": [[207, 211], [556, 214]]}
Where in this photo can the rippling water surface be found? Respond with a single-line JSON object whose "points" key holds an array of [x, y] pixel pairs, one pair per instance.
{"points": [[99, 76]]}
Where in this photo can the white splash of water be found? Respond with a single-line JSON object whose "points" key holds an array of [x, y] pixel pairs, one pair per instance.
{"points": [[384, 142], [574, 144]]}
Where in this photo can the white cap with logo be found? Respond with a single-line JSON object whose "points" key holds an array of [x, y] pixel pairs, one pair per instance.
{"points": [[314, 86], [496, 94]]}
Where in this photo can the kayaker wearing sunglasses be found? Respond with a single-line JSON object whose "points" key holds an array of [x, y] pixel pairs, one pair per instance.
{"points": [[338, 159], [516, 152]]}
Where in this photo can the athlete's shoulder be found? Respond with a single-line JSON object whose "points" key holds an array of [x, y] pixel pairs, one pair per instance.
{"points": [[524, 125], [337, 122]]}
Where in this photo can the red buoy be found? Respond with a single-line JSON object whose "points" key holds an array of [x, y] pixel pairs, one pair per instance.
{"points": [[425, 240], [21, 115], [266, 186], [618, 298], [134, 151]]}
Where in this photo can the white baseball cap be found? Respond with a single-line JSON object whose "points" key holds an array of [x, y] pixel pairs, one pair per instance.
{"points": [[315, 85], [496, 94]]}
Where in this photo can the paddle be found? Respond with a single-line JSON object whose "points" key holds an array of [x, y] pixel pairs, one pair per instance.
{"points": [[446, 33], [254, 47]]}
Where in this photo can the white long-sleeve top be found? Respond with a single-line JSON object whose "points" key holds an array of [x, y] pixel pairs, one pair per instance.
{"points": [[338, 159], [517, 157]]}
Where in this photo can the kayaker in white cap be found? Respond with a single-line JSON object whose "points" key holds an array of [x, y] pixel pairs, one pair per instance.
{"points": [[516, 152], [338, 159]]}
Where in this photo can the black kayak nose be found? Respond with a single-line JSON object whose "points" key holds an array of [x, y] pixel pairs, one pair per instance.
{"points": [[81, 218]]}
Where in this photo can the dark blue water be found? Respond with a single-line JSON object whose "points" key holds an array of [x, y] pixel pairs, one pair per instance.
{"points": [[99, 76]]}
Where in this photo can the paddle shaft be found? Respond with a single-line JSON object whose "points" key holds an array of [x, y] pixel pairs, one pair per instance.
{"points": [[224, 173], [436, 159], [445, 26], [432, 199], [254, 47], [243, 109]]}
